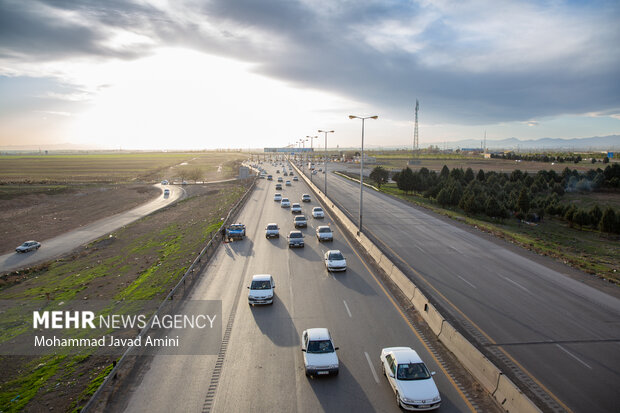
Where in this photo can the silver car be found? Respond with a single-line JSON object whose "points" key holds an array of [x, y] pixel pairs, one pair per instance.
{"points": [[28, 246]]}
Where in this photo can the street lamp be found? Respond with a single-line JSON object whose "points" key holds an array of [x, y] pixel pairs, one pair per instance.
{"points": [[362, 165], [325, 161]]}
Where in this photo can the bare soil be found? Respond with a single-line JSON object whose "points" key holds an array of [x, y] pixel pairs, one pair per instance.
{"points": [[40, 216]]}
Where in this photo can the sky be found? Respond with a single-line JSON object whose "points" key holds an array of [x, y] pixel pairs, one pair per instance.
{"points": [[190, 74]]}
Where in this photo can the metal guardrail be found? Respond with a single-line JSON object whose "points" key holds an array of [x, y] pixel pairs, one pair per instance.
{"points": [[169, 302]]}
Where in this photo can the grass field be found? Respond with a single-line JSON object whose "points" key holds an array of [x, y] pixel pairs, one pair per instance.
{"points": [[141, 261], [110, 168]]}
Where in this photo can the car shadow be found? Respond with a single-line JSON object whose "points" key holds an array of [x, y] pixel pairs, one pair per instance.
{"points": [[329, 392], [280, 242], [275, 322], [244, 248]]}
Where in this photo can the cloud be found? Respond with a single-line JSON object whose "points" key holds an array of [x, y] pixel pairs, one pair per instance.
{"points": [[469, 62]]}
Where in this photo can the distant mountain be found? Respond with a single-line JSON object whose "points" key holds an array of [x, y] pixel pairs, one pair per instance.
{"points": [[597, 143]]}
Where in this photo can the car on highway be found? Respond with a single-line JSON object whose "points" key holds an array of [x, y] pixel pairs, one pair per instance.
{"points": [[287, 183], [317, 212], [300, 221], [277, 197], [295, 239], [305, 198], [28, 246], [285, 173], [320, 356], [313, 172], [295, 179], [261, 289], [285, 203], [410, 379], [235, 232], [296, 208], [166, 192], [278, 187], [335, 261], [272, 230], [324, 233], [164, 182], [270, 177], [280, 179]]}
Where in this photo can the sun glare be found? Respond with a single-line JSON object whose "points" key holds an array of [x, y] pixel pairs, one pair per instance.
{"points": [[184, 99]]}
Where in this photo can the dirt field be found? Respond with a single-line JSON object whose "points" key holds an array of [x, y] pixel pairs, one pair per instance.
{"points": [[39, 216], [140, 261]]}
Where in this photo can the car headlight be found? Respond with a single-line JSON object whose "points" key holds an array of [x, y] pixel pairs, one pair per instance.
{"points": [[407, 400], [436, 399], [333, 366]]}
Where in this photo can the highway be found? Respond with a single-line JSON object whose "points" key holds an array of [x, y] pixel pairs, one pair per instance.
{"points": [[261, 359], [67, 242], [551, 332]]}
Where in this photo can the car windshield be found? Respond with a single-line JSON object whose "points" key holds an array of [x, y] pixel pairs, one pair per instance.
{"points": [[260, 285], [320, 346], [296, 235], [336, 256], [272, 227], [318, 210], [412, 371], [284, 199], [300, 218], [324, 230]]}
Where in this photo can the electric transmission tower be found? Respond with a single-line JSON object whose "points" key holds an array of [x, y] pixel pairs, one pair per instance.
{"points": [[415, 128]]}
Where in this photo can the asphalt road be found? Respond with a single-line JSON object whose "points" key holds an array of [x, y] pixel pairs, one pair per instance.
{"points": [[262, 369], [553, 333], [67, 242]]}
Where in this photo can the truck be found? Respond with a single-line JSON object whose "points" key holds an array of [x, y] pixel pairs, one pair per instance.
{"points": [[235, 232]]}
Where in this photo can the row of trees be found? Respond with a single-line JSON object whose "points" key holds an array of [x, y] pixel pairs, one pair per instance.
{"points": [[501, 195], [537, 157]]}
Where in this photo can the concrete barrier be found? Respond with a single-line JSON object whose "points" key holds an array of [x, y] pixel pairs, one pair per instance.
{"points": [[402, 282], [512, 399], [478, 365], [428, 312]]}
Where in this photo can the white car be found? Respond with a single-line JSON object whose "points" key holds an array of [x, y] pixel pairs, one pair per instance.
{"points": [[410, 379], [305, 198], [287, 183], [272, 230], [277, 197], [324, 233], [285, 203], [296, 208], [300, 221], [295, 179], [261, 289], [320, 356], [280, 179], [317, 212], [166, 192], [335, 261], [164, 182], [28, 246]]}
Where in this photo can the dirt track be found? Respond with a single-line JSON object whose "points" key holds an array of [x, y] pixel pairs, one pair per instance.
{"points": [[41, 216]]}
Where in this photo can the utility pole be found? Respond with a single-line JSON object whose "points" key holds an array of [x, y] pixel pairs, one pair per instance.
{"points": [[415, 128]]}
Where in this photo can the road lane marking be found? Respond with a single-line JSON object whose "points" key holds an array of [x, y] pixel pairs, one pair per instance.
{"points": [[372, 368], [573, 356], [473, 286], [347, 307], [515, 283]]}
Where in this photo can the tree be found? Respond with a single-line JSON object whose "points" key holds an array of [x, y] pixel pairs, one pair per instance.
{"points": [[406, 180], [605, 159], [523, 202], [456, 192], [595, 215], [195, 174], [443, 197], [581, 218], [469, 175], [593, 160], [608, 221], [493, 208], [480, 176], [380, 175], [445, 172]]}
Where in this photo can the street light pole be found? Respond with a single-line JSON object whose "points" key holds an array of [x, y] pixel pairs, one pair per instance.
{"points": [[359, 231], [325, 160]]}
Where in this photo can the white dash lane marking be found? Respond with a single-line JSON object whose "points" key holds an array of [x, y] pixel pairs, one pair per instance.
{"points": [[515, 283], [347, 308], [574, 356], [464, 280], [372, 368]]}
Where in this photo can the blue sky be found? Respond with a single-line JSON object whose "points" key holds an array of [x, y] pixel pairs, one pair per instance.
{"points": [[244, 73]]}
